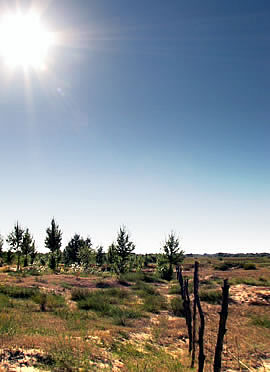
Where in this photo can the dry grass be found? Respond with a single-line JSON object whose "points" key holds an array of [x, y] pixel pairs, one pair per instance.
{"points": [[75, 338]]}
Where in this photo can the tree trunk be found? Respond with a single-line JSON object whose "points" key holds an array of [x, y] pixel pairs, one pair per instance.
{"points": [[202, 321], [18, 261], [222, 326]]}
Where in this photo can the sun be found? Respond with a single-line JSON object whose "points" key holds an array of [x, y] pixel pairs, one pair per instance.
{"points": [[24, 41]]}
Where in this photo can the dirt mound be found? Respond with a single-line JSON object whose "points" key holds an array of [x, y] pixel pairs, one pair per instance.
{"points": [[22, 360], [250, 295]]}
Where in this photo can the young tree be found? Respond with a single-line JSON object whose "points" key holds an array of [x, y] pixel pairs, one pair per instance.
{"points": [[172, 254], [26, 246], [33, 253], [100, 256], [87, 254], [123, 250], [53, 242], [71, 254], [14, 240], [112, 256]]}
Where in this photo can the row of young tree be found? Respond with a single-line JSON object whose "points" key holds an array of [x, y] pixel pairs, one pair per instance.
{"points": [[120, 256]]}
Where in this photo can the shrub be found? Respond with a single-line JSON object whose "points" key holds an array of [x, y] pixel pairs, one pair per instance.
{"points": [[121, 316], [211, 296], [102, 284], [96, 303], [140, 276], [177, 307], [153, 303], [48, 301], [144, 289], [175, 289], [4, 301], [261, 321], [250, 266], [41, 300], [165, 271], [18, 292], [78, 294]]}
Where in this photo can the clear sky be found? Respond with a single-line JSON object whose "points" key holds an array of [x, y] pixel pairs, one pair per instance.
{"points": [[153, 114]]}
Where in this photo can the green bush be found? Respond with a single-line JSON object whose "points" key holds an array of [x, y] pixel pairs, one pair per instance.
{"points": [[78, 294], [250, 266], [144, 289], [211, 296], [102, 284], [18, 292], [121, 316], [140, 276], [154, 304], [48, 301], [165, 271], [96, 303], [177, 307]]}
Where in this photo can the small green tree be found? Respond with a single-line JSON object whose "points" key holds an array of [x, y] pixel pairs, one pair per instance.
{"points": [[53, 242], [33, 253], [172, 255], [71, 254], [14, 240], [87, 254], [111, 256], [123, 250], [26, 246], [100, 256]]}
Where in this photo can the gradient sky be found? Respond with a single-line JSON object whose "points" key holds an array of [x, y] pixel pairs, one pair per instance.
{"points": [[153, 114]]}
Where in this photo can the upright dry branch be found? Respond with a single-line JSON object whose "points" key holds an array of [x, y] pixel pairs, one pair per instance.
{"points": [[222, 326], [186, 304], [194, 327], [201, 314]]}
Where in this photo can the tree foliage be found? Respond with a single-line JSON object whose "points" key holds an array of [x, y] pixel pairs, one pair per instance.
{"points": [[15, 239], [87, 254], [123, 250], [172, 255], [71, 254], [27, 245], [53, 242], [100, 256], [172, 250]]}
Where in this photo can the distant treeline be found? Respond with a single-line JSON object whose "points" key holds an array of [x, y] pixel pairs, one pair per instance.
{"points": [[221, 254]]}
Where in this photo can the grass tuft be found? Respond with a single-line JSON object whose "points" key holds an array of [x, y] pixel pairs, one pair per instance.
{"points": [[211, 296]]}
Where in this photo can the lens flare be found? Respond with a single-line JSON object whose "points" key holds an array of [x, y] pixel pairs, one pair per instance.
{"points": [[24, 41]]}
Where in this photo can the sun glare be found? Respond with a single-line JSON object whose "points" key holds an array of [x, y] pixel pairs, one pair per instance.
{"points": [[24, 41]]}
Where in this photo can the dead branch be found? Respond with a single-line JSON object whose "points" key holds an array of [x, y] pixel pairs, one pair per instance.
{"points": [[202, 321], [186, 304], [222, 326]]}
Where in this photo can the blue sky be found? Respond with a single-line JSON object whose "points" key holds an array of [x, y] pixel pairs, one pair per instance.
{"points": [[151, 114]]}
